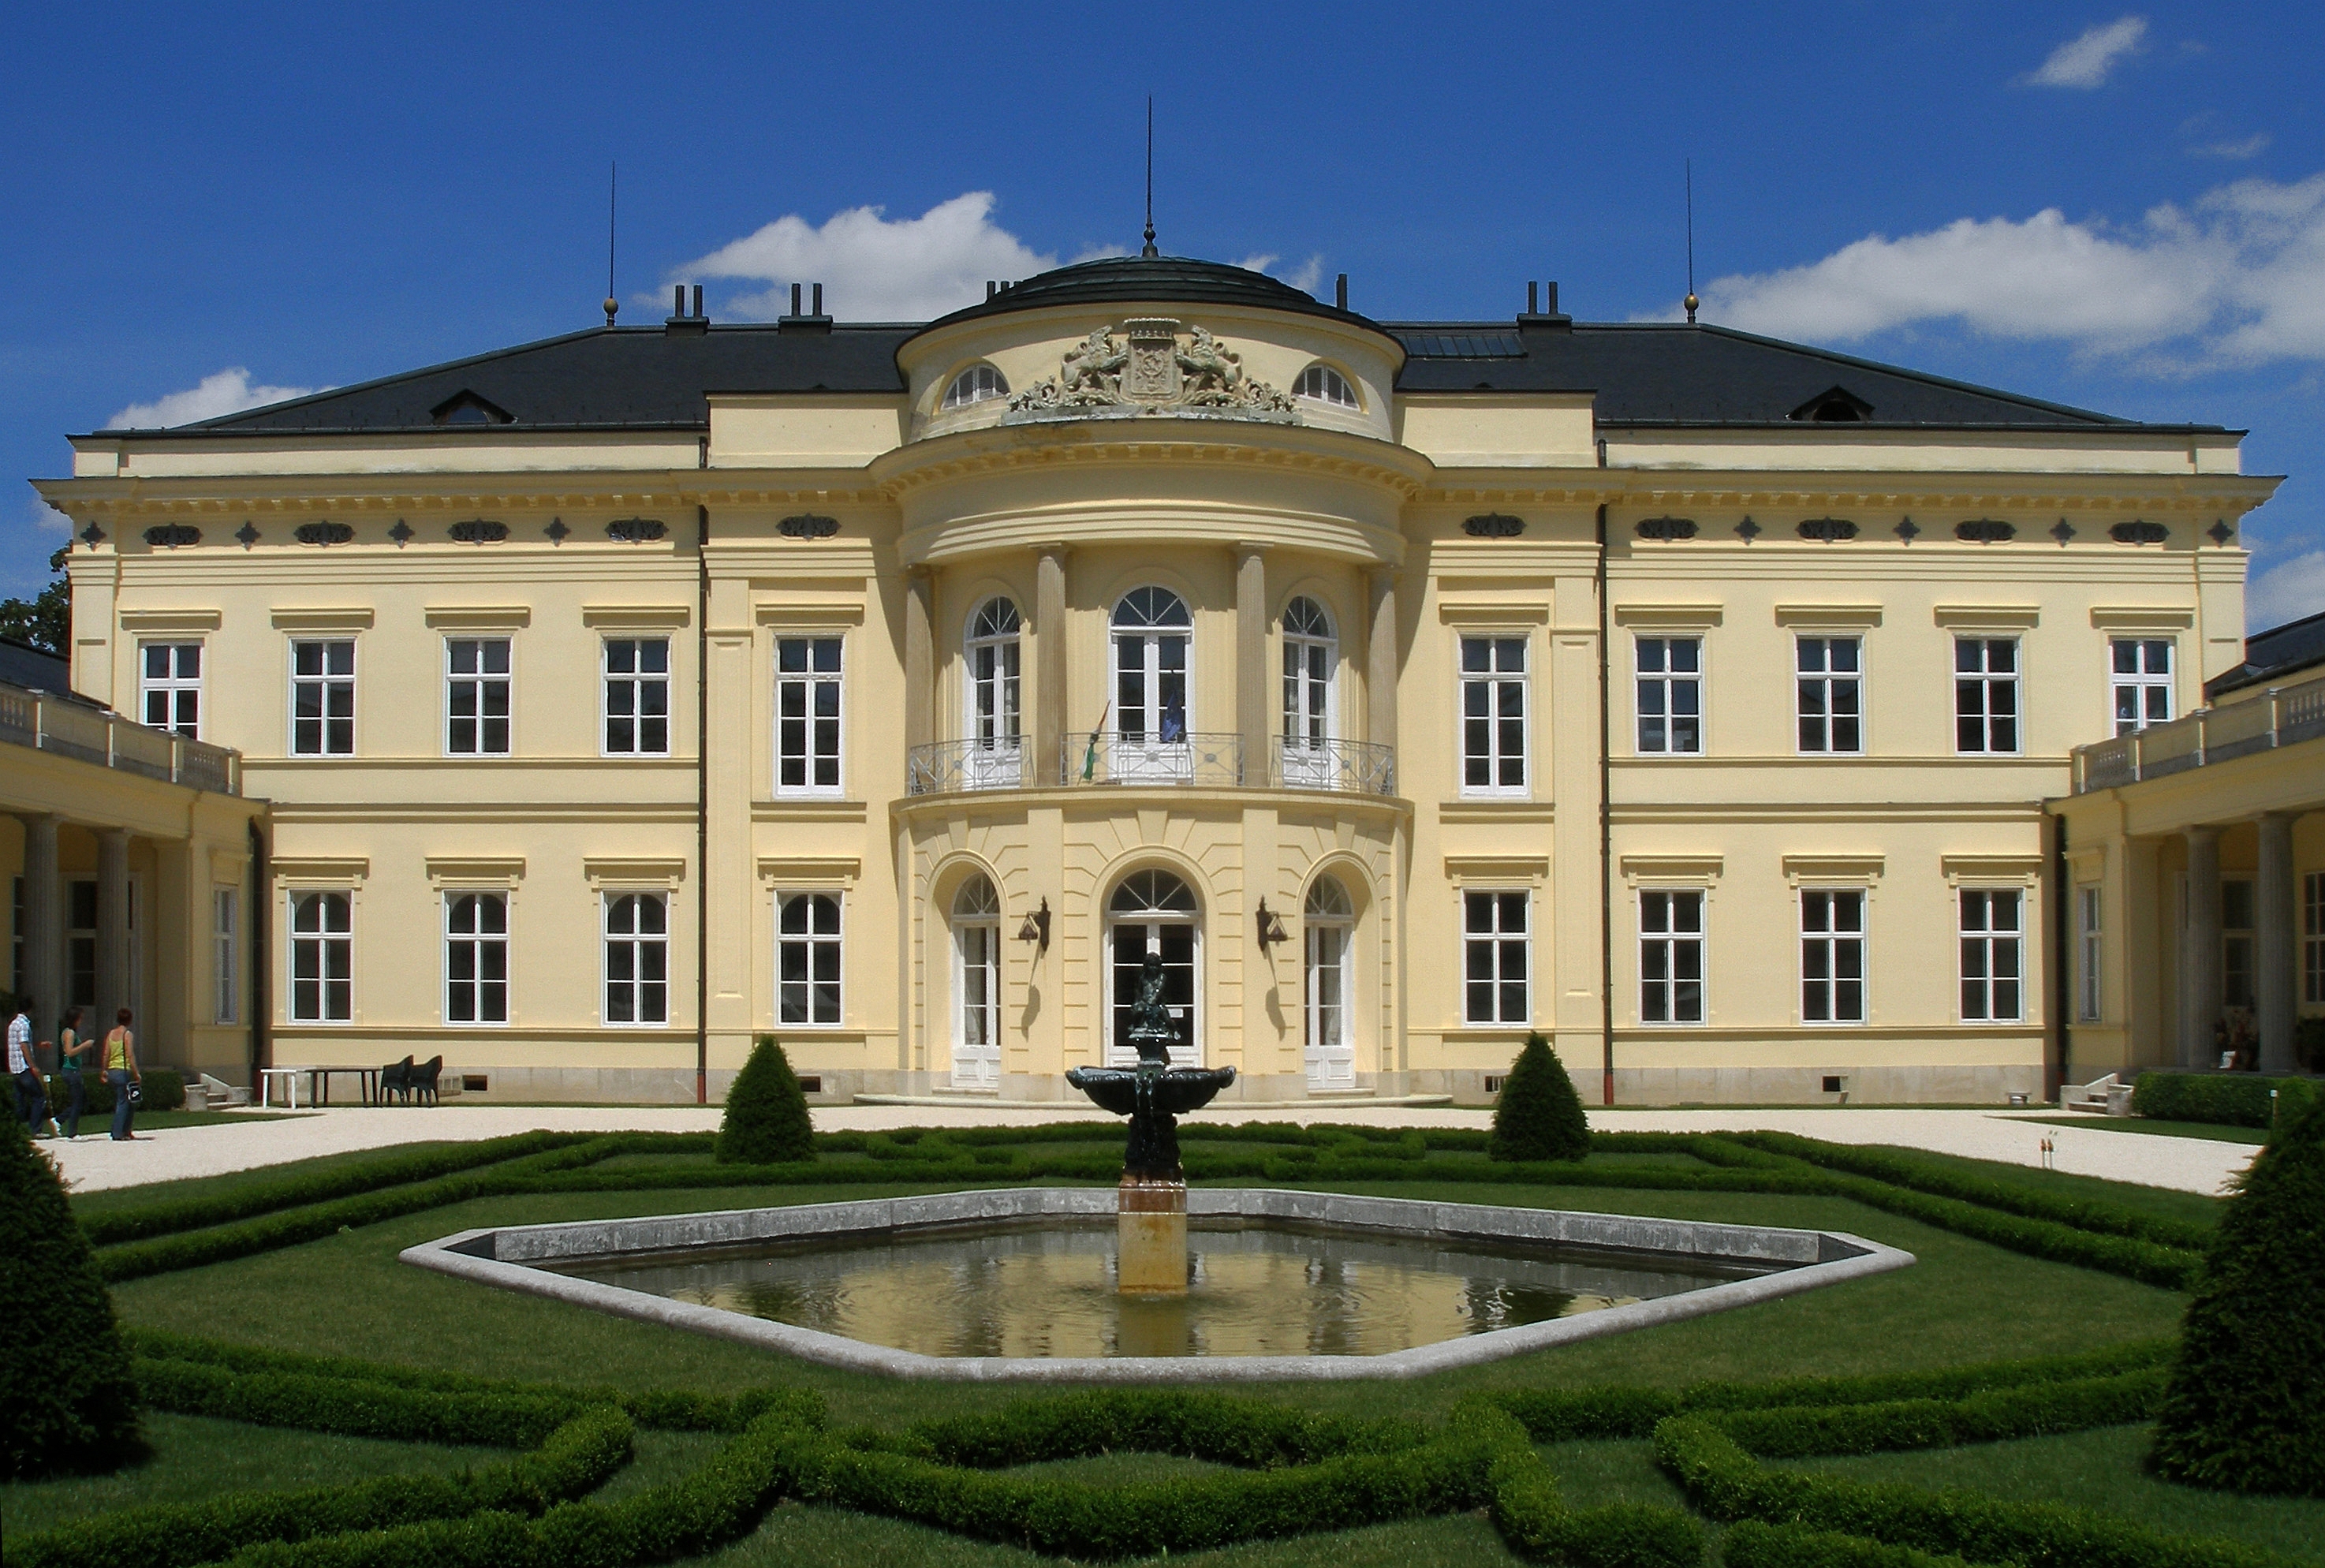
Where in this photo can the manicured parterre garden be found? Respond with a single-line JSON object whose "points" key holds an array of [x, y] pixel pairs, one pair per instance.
{"points": [[281, 1348]]}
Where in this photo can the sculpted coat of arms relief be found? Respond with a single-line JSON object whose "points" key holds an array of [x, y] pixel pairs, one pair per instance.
{"points": [[1152, 368]]}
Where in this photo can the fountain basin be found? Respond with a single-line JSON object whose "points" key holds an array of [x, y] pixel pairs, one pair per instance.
{"points": [[1069, 1231]]}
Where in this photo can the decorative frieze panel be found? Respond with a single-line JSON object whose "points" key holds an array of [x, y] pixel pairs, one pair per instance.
{"points": [[1152, 368]]}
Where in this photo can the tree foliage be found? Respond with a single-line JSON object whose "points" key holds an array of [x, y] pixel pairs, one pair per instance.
{"points": [[1538, 1117], [766, 1119], [45, 620], [67, 1398]]}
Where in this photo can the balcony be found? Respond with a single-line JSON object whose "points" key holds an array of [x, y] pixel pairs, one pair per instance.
{"points": [[1196, 761], [2282, 716], [47, 722]]}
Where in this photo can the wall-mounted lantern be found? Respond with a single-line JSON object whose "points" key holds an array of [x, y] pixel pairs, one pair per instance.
{"points": [[1036, 928], [1270, 929]]}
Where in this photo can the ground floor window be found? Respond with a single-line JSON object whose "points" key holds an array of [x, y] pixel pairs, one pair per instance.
{"points": [[1152, 914], [476, 958], [806, 958], [2237, 945], [1497, 958], [223, 938], [637, 958], [322, 957], [977, 974], [2312, 941], [2086, 931], [1329, 919], [1992, 936], [81, 945], [1833, 955], [1671, 956]]}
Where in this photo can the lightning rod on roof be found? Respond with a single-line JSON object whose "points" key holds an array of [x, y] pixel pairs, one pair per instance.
{"points": [[613, 178], [1690, 301], [1149, 249]]}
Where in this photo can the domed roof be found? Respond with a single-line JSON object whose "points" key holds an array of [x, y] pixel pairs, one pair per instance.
{"points": [[1151, 279]]}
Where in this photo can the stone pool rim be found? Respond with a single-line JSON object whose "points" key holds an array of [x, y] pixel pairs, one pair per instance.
{"points": [[501, 1256]]}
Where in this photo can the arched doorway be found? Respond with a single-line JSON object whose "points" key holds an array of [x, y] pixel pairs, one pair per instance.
{"points": [[977, 985], [1330, 923], [1153, 911]]}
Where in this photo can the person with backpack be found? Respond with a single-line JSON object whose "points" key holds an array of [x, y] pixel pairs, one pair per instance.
{"points": [[121, 1070], [71, 1046], [24, 1066]]}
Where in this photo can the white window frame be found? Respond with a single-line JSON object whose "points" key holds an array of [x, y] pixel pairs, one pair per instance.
{"points": [[975, 384], [1143, 747], [1986, 682], [992, 692], [479, 944], [2148, 687], [325, 682], [1987, 940], [1151, 916], [1497, 938], [1327, 1029], [1827, 945], [1668, 683], [175, 688], [633, 683], [322, 941], [814, 941], [1326, 384], [1308, 720], [1491, 684], [637, 942], [2090, 918], [1828, 687], [226, 956], [968, 1017], [810, 681], [478, 685], [1668, 939]]}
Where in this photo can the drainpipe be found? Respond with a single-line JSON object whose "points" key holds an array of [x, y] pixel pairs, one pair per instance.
{"points": [[261, 950], [2055, 1069], [701, 805], [1606, 841]]}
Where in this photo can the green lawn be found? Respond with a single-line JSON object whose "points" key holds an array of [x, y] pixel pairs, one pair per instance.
{"points": [[2211, 1131]]}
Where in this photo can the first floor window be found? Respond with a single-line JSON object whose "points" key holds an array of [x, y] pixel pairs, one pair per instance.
{"points": [[322, 957], [2140, 671], [1993, 935], [2312, 937], [476, 958], [2237, 928], [323, 699], [1492, 716], [807, 716], [637, 696], [1986, 695], [223, 966], [2086, 928], [1833, 955], [1671, 956], [637, 958], [1831, 693], [1671, 695], [170, 687], [477, 696], [1494, 932], [806, 958]]}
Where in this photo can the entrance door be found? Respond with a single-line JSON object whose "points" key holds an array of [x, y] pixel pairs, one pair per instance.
{"points": [[1153, 913], [976, 985], [1152, 630], [1310, 657], [1331, 1047]]}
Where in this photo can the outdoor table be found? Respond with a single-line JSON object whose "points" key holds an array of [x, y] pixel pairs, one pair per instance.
{"points": [[318, 1084], [290, 1077]]}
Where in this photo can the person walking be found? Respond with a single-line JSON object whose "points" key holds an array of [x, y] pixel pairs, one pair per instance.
{"points": [[71, 1046], [24, 1066], [120, 1071]]}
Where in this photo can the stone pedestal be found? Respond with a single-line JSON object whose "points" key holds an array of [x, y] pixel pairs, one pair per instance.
{"points": [[1151, 1220]]}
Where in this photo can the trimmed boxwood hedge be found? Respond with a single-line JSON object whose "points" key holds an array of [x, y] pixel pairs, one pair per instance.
{"points": [[2222, 1099]]}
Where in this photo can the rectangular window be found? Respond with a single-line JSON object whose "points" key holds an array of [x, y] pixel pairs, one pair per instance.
{"points": [[806, 958], [1671, 957], [2141, 681], [807, 716], [637, 696], [1833, 955], [476, 958], [16, 936], [2236, 929], [1492, 716], [81, 945], [1986, 695], [1670, 696], [1992, 938], [323, 699], [224, 970], [1831, 685], [637, 958], [1498, 958], [2312, 937], [2086, 931], [477, 696], [170, 687], [322, 957]]}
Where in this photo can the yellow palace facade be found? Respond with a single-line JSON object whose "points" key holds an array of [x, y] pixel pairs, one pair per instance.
{"points": [[1405, 687]]}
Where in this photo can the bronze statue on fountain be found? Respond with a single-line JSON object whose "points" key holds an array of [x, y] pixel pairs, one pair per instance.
{"points": [[1154, 1094]]}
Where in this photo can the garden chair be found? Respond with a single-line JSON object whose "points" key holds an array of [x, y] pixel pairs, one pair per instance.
{"points": [[421, 1079], [396, 1079]]}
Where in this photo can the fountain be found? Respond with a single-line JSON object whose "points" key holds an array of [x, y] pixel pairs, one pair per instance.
{"points": [[1151, 1204]]}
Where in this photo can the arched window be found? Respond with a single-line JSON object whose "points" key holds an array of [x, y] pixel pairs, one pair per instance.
{"points": [[1153, 912], [1325, 385], [1311, 659], [977, 985], [1152, 633], [977, 384], [991, 724], [1330, 919]]}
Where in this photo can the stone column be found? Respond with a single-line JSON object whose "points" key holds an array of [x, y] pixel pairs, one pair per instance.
{"points": [[1254, 718], [1380, 661], [1049, 662], [113, 930], [2200, 950], [920, 660], [44, 976], [2274, 971]]}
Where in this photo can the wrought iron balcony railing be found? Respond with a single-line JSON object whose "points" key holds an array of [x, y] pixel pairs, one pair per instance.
{"points": [[2281, 716], [47, 722], [969, 764], [1215, 761], [1350, 766]]}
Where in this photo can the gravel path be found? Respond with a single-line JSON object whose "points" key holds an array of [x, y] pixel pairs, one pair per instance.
{"points": [[95, 1162]]}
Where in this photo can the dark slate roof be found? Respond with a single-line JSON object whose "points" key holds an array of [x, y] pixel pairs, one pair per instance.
{"points": [[34, 669], [1141, 279], [2272, 655]]}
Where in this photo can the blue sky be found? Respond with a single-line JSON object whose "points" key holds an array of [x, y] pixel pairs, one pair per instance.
{"points": [[2122, 209]]}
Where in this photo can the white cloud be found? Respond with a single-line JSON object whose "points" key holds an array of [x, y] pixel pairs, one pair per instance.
{"points": [[2085, 61], [2286, 592], [2236, 279], [2252, 146], [227, 392], [873, 269]]}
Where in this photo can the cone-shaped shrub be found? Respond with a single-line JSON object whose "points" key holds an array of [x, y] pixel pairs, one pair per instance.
{"points": [[2245, 1410], [767, 1114], [1539, 1116], [67, 1398]]}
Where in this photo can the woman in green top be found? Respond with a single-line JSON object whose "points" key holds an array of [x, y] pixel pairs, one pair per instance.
{"points": [[70, 1048], [120, 1071]]}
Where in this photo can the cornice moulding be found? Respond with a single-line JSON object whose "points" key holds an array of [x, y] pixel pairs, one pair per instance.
{"points": [[2141, 617], [634, 871], [502, 871], [635, 616], [2020, 616], [1687, 869], [172, 620], [1469, 869], [340, 869], [811, 871], [1809, 868], [1827, 615], [2011, 868], [324, 618], [1487, 613], [1670, 615], [480, 617]]}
